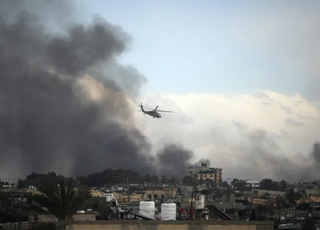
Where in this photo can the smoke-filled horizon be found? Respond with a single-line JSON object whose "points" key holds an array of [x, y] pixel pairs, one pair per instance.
{"points": [[261, 157], [65, 101]]}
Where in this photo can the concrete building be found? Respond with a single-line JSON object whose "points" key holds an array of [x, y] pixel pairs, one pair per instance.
{"points": [[271, 193], [160, 193], [253, 183], [185, 190], [204, 172]]}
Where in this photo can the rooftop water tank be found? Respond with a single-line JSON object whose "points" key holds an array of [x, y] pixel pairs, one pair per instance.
{"points": [[109, 197], [147, 208], [168, 211]]}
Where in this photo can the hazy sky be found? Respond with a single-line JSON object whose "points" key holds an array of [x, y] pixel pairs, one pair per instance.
{"points": [[241, 77], [225, 47], [222, 66]]}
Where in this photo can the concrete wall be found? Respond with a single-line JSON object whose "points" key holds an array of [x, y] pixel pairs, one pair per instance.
{"points": [[260, 192], [163, 192], [312, 191], [76, 217], [172, 225]]}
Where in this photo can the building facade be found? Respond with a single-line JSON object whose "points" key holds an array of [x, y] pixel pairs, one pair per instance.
{"points": [[205, 172], [160, 193], [253, 183]]}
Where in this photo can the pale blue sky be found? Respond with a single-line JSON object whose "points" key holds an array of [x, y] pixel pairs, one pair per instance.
{"points": [[227, 47]]}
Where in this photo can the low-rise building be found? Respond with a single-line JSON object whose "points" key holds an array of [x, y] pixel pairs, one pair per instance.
{"points": [[185, 190], [160, 193], [253, 183], [205, 172], [263, 192]]}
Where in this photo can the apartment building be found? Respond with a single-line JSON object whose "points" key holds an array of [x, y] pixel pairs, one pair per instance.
{"points": [[205, 172]]}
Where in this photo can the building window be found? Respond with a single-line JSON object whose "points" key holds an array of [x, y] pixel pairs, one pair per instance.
{"points": [[149, 196], [211, 175], [155, 196]]}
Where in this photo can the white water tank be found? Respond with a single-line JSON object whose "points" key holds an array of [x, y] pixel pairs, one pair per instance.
{"points": [[168, 211], [147, 208], [109, 197]]}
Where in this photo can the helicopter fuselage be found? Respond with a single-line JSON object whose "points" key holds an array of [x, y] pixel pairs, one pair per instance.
{"points": [[153, 114]]}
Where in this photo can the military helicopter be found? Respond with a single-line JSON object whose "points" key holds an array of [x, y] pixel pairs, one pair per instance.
{"points": [[153, 113]]}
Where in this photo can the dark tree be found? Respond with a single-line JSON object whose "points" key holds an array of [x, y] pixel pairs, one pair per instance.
{"points": [[303, 206], [155, 179], [147, 178], [110, 176], [172, 181], [292, 196], [269, 184], [309, 224], [61, 198], [37, 179], [210, 183], [190, 181], [164, 179], [225, 184], [105, 210], [21, 184], [283, 185], [242, 186], [234, 181]]}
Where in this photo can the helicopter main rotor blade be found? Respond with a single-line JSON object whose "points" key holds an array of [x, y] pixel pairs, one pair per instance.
{"points": [[166, 111]]}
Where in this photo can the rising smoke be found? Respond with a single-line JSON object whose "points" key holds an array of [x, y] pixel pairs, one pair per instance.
{"points": [[260, 157], [64, 100], [65, 103]]}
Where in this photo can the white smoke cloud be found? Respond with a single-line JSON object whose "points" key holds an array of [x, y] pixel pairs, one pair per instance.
{"points": [[235, 131]]}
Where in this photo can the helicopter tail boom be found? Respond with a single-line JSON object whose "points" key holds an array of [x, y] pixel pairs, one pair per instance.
{"points": [[141, 106]]}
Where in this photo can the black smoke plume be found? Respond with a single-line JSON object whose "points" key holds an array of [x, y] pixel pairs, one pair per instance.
{"points": [[316, 152], [173, 160], [64, 100]]}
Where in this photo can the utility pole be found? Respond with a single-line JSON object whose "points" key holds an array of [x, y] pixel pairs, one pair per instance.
{"points": [[128, 186]]}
